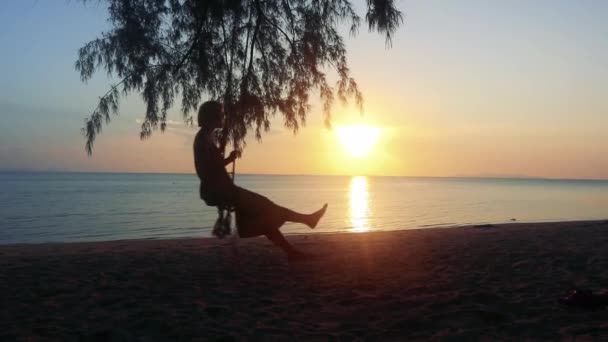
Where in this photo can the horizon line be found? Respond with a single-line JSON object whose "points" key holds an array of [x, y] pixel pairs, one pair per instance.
{"points": [[505, 177]]}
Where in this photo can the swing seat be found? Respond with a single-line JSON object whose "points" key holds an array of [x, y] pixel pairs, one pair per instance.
{"points": [[217, 199]]}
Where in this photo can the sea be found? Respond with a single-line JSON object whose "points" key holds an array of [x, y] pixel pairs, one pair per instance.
{"points": [[69, 207]]}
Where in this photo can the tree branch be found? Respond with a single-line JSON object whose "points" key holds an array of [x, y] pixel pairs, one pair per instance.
{"points": [[254, 38], [196, 37], [263, 16]]}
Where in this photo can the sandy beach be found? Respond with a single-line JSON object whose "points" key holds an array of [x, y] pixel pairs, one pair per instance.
{"points": [[498, 282]]}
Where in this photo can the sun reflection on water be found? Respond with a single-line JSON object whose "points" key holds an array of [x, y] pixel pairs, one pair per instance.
{"points": [[359, 208]]}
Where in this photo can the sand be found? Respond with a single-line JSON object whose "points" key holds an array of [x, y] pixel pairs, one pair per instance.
{"points": [[476, 283]]}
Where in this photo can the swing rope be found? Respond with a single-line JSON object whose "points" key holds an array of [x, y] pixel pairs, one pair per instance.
{"points": [[223, 224]]}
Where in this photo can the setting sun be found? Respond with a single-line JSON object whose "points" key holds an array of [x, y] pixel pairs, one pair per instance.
{"points": [[358, 140]]}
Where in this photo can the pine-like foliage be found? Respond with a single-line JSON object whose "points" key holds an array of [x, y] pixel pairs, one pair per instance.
{"points": [[259, 57]]}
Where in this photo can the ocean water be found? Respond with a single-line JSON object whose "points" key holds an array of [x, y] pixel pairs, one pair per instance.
{"points": [[54, 207]]}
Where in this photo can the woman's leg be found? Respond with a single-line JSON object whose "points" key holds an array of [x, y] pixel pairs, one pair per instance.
{"points": [[275, 235], [251, 205], [278, 239], [310, 220]]}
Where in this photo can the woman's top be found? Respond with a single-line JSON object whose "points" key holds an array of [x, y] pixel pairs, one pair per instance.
{"points": [[216, 186]]}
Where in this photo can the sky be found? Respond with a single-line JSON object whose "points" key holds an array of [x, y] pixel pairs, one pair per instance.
{"points": [[469, 88]]}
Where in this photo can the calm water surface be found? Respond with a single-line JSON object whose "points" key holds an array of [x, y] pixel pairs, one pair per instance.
{"points": [[43, 207]]}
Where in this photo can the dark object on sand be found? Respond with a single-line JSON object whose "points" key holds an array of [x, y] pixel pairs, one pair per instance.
{"points": [[585, 299]]}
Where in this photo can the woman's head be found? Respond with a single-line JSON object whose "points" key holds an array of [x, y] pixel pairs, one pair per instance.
{"points": [[210, 115]]}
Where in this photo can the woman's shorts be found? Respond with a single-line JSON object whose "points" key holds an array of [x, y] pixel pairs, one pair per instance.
{"points": [[255, 214]]}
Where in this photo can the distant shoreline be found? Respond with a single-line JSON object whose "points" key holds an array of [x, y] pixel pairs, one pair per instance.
{"points": [[467, 227]]}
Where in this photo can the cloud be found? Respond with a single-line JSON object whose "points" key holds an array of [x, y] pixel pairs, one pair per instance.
{"points": [[168, 122], [175, 123]]}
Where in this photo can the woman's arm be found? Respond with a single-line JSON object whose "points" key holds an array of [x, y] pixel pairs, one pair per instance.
{"points": [[232, 157]]}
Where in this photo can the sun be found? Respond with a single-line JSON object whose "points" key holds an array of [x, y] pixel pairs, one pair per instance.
{"points": [[358, 140]]}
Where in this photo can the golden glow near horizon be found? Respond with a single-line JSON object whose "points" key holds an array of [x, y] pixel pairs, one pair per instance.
{"points": [[433, 116], [359, 207], [358, 140]]}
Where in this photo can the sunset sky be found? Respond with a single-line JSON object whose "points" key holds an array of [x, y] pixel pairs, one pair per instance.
{"points": [[469, 88]]}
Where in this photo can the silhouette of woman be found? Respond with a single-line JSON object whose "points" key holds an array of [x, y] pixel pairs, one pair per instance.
{"points": [[255, 214]]}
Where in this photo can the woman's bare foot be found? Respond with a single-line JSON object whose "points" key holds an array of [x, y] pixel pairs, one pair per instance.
{"points": [[316, 216]]}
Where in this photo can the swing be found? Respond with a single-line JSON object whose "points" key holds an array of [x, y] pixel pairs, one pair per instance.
{"points": [[247, 222]]}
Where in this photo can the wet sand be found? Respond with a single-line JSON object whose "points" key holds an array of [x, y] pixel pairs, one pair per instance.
{"points": [[497, 282]]}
